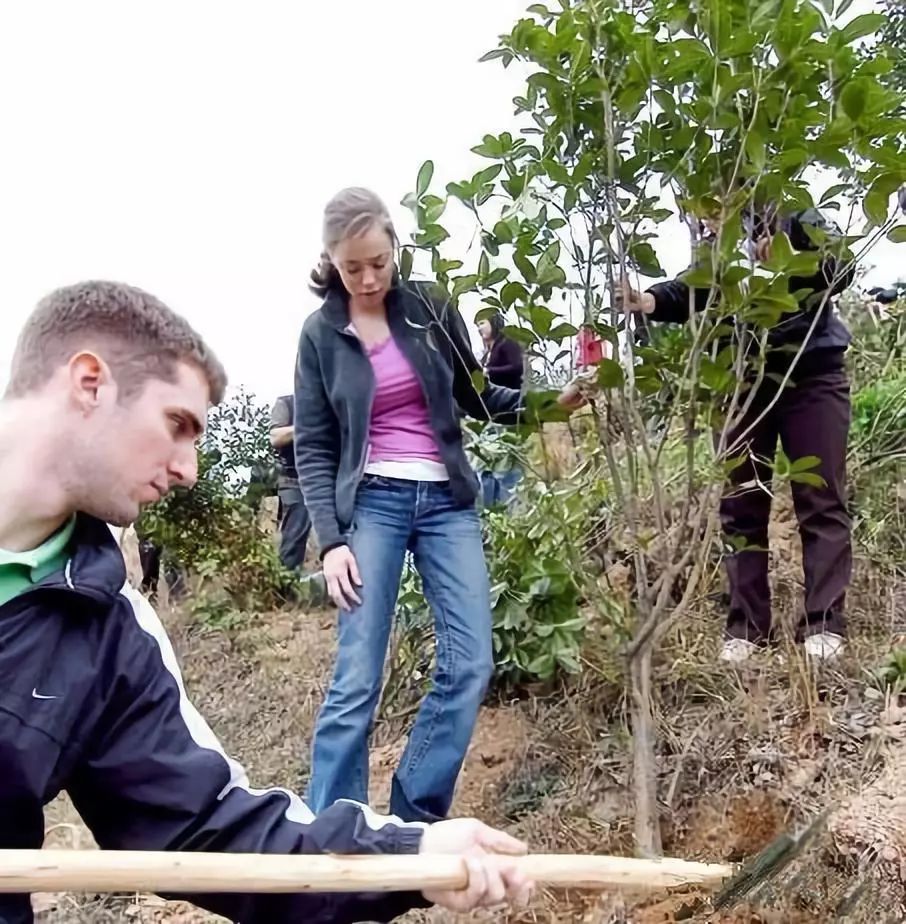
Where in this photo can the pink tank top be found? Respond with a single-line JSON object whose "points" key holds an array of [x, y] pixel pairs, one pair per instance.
{"points": [[399, 428]]}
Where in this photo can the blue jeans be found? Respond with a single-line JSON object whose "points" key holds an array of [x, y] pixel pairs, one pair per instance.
{"points": [[393, 516], [497, 487]]}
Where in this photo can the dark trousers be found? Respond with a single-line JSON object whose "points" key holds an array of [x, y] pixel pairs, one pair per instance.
{"points": [[150, 556], [810, 418], [295, 525]]}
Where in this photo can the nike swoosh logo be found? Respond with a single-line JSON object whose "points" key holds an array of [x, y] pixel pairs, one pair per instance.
{"points": [[38, 695]]}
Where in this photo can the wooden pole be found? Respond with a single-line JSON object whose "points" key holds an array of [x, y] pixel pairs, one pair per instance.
{"points": [[141, 871]]}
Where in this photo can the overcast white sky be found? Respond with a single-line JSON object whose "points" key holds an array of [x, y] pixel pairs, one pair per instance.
{"points": [[189, 146]]}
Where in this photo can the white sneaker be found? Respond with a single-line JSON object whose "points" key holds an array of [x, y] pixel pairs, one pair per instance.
{"points": [[825, 646], [737, 650]]}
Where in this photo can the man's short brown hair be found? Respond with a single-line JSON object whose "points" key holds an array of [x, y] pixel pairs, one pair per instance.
{"points": [[137, 335]]}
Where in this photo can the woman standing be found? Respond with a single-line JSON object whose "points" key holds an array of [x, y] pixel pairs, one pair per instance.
{"points": [[808, 415], [502, 359], [382, 370]]}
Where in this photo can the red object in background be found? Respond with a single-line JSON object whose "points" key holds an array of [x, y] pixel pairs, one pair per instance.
{"points": [[590, 346]]}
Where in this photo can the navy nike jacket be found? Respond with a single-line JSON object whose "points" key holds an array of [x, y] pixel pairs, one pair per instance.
{"points": [[92, 702]]}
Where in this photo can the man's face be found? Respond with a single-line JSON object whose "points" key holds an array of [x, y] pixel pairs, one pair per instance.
{"points": [[130, 454]]}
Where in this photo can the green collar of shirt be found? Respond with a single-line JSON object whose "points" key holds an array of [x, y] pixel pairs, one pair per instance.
{"points": [[20, 570]]}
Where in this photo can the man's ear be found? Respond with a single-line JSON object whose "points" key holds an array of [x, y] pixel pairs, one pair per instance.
{"points": [[89, 379]]}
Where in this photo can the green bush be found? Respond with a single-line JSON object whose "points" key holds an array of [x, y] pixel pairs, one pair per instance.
{"points": [[878, 431], [211, 529], [537, 568]]}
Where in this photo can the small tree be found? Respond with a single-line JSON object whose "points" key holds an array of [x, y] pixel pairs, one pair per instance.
{"points": [[211, 528], [718, 108]]}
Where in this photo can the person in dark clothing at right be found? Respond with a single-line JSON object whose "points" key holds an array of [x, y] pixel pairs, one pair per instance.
{"points": [[503, 364], [810, 417], [502, 358], [295, 523], [889, 295], [153, 560]]}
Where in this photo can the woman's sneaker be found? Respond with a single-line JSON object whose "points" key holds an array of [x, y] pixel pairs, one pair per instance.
{"points": [[737, 650], [824, 646]]}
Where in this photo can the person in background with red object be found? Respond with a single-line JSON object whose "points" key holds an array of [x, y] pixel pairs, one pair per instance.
{"points": [[809, 417]]}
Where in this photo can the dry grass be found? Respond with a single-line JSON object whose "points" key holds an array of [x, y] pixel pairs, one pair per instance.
{"points": [[743, 756]]}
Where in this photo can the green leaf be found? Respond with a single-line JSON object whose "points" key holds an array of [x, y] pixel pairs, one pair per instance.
{"points": [[541, 319], [755, 149], [522, 335], [735, 275], [715, 378], [512, 292], [854, 97], [897, 235], [484, 266], [461, 191], [644, 256], [425, 175], [524, 265], [702, 277], [834, 191], [877, 200], [486, 176], [562, 331], [866, 24], [433, 207], [496, 276], [406, 264], [478, 380], [439, 266], [781, 250], [490, 147], [557, 172], [464, 284], [503, 53], [809, 478], [610, 374], [503, 232], [431, 236], [805, 463]]}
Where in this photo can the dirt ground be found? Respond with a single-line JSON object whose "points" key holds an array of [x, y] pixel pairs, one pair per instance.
{"points": [[743, 756]]}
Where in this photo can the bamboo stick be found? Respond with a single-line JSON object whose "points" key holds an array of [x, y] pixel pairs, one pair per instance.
{"points": [[145, 871]]}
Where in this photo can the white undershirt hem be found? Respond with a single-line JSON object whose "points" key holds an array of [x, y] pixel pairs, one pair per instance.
{"points": [[409, 469]]}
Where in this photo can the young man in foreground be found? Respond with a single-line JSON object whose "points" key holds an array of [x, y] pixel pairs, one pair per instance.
{"points": [[108, 393]]}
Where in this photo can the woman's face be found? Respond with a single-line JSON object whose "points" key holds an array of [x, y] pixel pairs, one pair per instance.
{"points": [[485, 329], [365, 264]]}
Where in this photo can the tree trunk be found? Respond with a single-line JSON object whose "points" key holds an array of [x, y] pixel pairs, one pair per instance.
{"points": [[644, 770]]}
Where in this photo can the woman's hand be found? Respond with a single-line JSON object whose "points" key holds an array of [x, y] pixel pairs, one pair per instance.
{"points": [[341, 572], [630, 300], [763, 249], [580, 391], [572, 397]]}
